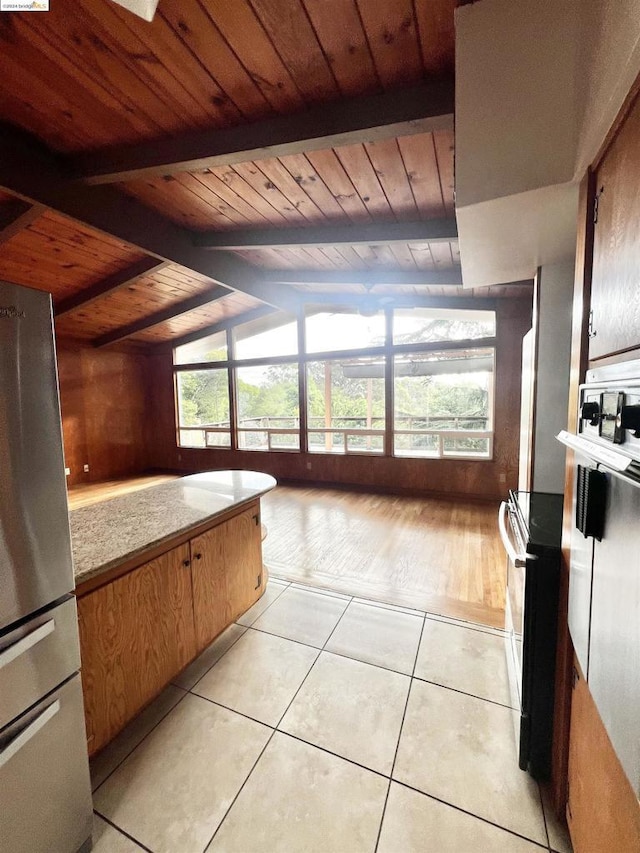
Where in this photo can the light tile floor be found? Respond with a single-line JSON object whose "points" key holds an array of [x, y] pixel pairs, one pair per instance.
{"points": [[332, 724]]}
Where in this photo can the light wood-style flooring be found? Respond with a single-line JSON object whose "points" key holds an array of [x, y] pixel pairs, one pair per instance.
{"points": [[443, 556], [92, 493]]}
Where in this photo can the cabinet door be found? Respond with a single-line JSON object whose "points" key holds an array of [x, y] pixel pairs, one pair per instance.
{"points": [[602, 810], [136, 633], [227, 573], [615, 286]]}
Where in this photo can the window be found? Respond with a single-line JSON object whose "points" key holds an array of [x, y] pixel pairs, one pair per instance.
{"points": [[443, 403], [262, 339], [268, 407], [330, 331], [436, 365], [345, 406], [203, 408], [423, 325], [211, 348]]}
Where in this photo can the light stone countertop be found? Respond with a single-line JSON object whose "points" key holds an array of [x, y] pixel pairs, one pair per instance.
{"points": [[106, 534]]}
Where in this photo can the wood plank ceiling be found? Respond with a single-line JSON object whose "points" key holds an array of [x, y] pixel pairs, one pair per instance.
{"points": [[88, 78]]}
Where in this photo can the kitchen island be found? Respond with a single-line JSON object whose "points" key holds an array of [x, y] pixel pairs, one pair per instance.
{"points": [[159, 574]]}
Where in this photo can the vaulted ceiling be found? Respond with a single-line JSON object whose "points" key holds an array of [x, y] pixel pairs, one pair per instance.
{"points": [[164, 178]]}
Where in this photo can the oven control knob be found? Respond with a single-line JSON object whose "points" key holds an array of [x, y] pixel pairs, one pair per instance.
{"points": [[591, 412], [629, 418]]}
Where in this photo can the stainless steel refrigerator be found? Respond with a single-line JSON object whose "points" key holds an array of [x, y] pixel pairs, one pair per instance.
{"points": [[45, 794]]}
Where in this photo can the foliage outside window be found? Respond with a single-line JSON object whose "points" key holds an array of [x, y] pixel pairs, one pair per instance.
{"points": [[345, 406], [442, 395]]}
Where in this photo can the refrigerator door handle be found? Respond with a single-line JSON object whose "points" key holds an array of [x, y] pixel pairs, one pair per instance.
{"points": [[21, 739], [519, 560], [25, 643]]}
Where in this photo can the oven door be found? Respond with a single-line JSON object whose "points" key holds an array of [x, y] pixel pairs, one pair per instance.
{"points": [[512, 541]]}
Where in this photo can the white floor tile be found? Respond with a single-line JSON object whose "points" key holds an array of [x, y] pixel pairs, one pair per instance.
{"points": [[415, 823], [378, 636], [299, 798], [106, 839], [203, 663], [465, 660], [115, 753], [272, 592], [258, 676], [350, 708], [303, 616], [461, 749], [172, 792]]}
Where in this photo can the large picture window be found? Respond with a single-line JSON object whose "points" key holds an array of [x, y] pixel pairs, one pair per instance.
{"points": [[413, 383]]}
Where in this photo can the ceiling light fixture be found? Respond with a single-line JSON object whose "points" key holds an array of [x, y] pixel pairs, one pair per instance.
{"points": [[142, 8]]}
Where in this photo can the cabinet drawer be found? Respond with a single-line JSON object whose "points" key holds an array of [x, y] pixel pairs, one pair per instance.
{"points": [[36, 657]]}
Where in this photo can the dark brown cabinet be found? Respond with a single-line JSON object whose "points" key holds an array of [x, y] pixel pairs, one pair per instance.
{"points": [[615, 287]]}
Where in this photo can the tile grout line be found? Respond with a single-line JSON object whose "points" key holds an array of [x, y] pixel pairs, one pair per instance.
{"points": [[471, 814], [271, 603], [123, 832], [233, 801], [409, 611], [544, 817], [464, 693], [274, 730], [133, 749], [395, 754]]}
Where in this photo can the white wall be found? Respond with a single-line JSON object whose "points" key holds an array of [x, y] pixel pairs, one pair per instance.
{"points": [[538, 84]]}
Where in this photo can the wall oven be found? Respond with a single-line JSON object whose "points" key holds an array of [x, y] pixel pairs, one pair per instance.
{"points": [[530, 526], [604, 584]]}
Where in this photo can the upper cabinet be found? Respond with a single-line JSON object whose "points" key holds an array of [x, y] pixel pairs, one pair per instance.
{"points": [[615, 287]]}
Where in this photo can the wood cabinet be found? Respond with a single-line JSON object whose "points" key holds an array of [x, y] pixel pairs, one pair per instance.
{"points": [[602, 811], [136, 633], [615, 286], [140, 629], [226, 567]]}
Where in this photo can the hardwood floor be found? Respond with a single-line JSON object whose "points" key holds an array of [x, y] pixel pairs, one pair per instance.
{"points": [[92, 493], [443, 556], [433, 554]]}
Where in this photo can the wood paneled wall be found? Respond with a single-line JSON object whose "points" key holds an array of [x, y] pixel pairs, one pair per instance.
{"points": [[481, 479], [105, 411]]}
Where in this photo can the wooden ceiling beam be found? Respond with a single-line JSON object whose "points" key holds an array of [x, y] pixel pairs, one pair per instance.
{"points": [[370, 234], [16, 216], [367, 118], [202, 299], [223, 325], [34, 174], [109, 285], [371, 277]]}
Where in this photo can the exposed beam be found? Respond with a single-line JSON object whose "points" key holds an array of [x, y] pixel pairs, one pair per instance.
{"points": [[108, 285], [33, 173], [206, 298], [16, 216], [371, 277], [223, 325], [371, 234], [422, 108]]}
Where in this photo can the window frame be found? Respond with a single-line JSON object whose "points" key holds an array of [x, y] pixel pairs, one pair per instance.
{"points": [[388, 351]]}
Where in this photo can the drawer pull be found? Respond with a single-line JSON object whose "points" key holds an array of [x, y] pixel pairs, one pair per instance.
{"points": [[186, 563], [25, 643], [16, 744], [197, 556]]}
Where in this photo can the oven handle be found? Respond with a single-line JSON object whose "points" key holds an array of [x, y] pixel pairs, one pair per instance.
{"points": [[31, 730], [519, 560]]}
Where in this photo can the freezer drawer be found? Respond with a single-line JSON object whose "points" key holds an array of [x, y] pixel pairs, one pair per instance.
{"points": [[45, 794], [36, 657]]}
